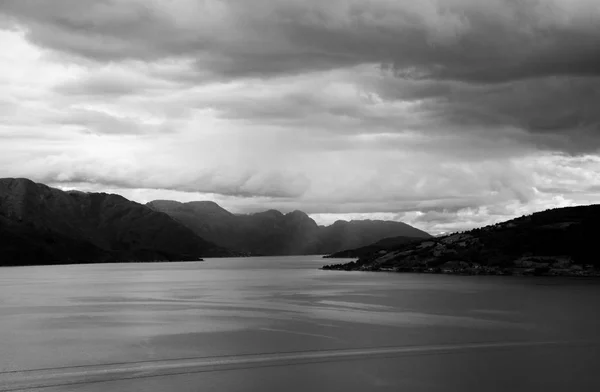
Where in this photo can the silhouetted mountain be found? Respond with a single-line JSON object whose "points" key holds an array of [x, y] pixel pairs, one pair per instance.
{"points": [[273, 233], [347, 235], [206, 218], [43, 225], [554, 242]]}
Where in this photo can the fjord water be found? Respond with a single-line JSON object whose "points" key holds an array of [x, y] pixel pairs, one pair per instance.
{"points": [[279, 323]]}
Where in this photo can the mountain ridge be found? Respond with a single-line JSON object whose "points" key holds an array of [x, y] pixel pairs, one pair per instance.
{"points": [[272, 232], [44, 225]]}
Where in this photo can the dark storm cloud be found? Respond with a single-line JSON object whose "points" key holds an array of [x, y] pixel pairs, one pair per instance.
{"points": [[490, 41], [309, 108], [100, 30], [557, 112], [531, 65], [551, 113]]}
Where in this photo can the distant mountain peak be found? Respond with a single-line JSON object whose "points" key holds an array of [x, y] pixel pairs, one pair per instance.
{"points": [[202, 207], [165, 201], [298, 214], [205, 203], [271, 212], [271, 232], [340, 222]]}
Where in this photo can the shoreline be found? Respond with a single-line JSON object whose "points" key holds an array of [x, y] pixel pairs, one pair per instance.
{"points": [[472, 271], [100, 262]]}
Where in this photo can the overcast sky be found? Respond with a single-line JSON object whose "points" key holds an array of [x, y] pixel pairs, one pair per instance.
{"points": [[445, 114]]}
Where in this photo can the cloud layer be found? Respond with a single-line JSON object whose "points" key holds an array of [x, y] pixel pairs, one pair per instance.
{"points": [[445, 114]]}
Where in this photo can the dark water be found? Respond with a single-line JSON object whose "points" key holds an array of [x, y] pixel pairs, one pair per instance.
{"points": [[262, 324]]}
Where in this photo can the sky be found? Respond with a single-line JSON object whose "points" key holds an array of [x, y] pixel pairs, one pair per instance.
{"points": [[444, 114]]}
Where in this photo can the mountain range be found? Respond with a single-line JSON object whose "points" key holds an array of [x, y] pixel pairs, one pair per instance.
{"points": [[44, 225], [274, 233], [559, 241]]}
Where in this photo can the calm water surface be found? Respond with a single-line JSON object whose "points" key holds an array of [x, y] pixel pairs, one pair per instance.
{"points": [[262, 324]]}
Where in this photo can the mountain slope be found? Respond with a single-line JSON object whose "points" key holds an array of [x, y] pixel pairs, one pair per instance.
{"points": [[205, 218], [41, 225], [558, 241], [273, 233], [346, 235], [383, 245]]}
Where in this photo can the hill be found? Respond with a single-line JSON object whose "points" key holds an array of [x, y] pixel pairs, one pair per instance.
{"points": [[385, 244], [274, 233], [553, 242], [43, 225]]}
